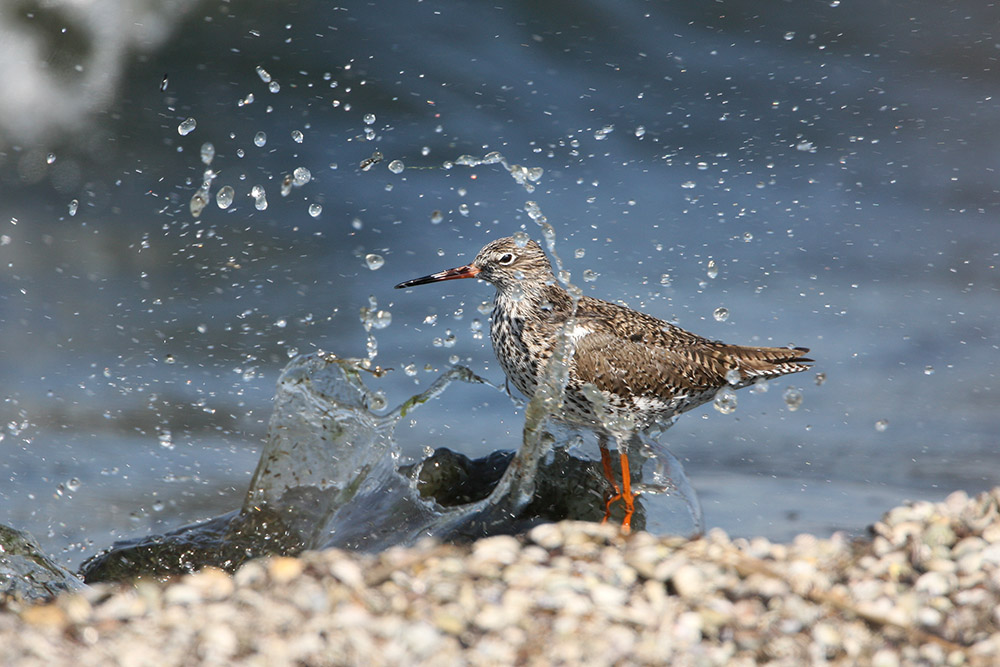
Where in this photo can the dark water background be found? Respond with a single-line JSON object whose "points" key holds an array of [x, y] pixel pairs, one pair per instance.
{"points": [[837, 161]]}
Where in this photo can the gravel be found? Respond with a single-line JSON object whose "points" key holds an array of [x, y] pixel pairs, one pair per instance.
{"points": [[924, 589]]}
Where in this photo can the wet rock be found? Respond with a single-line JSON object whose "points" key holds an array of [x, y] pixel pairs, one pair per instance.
{"points": [[26, 572]]}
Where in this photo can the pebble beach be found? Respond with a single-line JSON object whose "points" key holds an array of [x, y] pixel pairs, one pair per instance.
{"points": [[922, 589]]}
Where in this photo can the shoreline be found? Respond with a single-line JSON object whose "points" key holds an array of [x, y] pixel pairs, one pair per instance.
{"points": [[924, 589]]}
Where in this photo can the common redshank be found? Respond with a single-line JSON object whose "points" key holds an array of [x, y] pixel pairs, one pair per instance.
{"points": [[645, 370]]}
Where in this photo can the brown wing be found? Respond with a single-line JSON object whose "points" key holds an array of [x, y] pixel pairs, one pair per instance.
{"points": [[633, 354], [631, 368]]}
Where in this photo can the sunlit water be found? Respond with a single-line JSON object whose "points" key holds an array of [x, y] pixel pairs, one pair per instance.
{"points": [[796, 175]]}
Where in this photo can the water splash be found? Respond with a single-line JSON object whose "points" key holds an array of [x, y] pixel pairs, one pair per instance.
{"points": [[329, 469], [330, 476], [526, 177]]}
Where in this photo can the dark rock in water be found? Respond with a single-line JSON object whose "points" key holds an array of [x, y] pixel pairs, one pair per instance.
{"points": [[446, 478], [26, 572], [450, 479], [225, 541]]}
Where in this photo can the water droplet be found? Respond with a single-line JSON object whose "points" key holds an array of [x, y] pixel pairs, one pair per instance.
{"points": [[881, 425], [436, 217], [165, 438], [374, 262], [207, 152], [73, 484], [259, 198], [688, 185], [315, 210], [274, 87], [589, 275], [169, 359], [602, 134], [396, 167], [820, 379], [224, 197], [747, 237], [369, 119], [640, 131], [712, 270], [297, 136], [377, 401], [301, 176], [521, 238], [187, 126], [370, 162], [202, 328], [793, 398], [260, 139], [50, 158], [73, 206], [198, 201], [665, 279], [158, 506], [928, 370], [725, 401], [733, 376], [720, 314], [789, 36], [264, 75], [463, 209]]}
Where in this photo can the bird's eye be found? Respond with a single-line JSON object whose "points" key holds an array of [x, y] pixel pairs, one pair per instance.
{"points": [[506, 258]]}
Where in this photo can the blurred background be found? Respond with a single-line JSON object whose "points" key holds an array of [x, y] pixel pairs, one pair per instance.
{"points": [[825, 172]]}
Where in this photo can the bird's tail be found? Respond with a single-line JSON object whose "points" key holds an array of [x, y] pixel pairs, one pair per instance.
{"points": [[767, 362]]}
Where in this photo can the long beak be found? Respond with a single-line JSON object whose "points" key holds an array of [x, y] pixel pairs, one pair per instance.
{"points": [[467, 271]]}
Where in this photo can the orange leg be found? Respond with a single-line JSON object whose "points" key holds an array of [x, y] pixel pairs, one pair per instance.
{"points": [[624, 492], [609, 474]]}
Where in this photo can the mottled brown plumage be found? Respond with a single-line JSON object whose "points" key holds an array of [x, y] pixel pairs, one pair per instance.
{"points": [[646, 370]]}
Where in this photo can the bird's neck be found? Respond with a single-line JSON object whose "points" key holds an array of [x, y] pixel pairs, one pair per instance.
{"points": [[527, 299]]}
